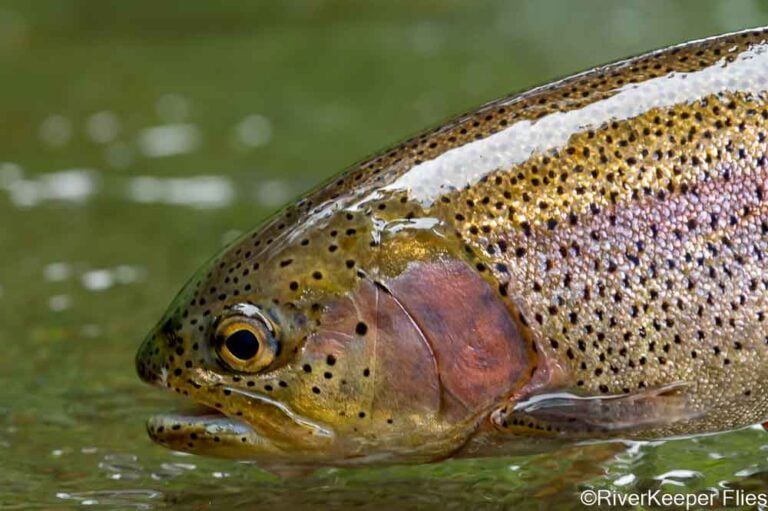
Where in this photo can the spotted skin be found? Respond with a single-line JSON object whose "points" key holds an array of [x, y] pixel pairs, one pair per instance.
{"points": [[613, 223]]}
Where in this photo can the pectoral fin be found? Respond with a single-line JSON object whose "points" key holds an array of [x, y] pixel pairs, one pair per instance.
{"points": [[631, 415]]}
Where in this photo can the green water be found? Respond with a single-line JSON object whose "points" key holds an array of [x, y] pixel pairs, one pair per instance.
{"points": [[137, 137]]}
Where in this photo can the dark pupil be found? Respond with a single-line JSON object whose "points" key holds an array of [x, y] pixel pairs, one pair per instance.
{"points": [[243, 344]]}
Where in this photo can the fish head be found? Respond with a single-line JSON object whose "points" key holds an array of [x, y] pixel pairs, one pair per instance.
{"points": [[352, 340]]}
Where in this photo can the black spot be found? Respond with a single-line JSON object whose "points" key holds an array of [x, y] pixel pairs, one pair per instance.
{"points": [[361, 328]]}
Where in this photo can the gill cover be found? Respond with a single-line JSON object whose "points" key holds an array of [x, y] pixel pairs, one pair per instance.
{"points": [[439, 341]]}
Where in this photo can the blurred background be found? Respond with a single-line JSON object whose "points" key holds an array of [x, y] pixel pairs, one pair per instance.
{"points": [[136, 137]]}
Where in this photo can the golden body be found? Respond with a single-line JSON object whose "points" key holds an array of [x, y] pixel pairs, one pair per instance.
{"points": [[583, 260]]}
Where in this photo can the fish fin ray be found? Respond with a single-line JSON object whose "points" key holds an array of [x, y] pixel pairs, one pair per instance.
{"points": [[632, 414]]}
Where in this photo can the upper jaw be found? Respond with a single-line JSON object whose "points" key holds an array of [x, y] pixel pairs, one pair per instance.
{"points": [[278, 421]]}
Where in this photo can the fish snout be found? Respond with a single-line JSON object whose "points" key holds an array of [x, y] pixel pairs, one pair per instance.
{"points": [[152, 358]]}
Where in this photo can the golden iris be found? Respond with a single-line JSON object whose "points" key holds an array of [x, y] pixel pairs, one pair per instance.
{"points": [[246, 344]]}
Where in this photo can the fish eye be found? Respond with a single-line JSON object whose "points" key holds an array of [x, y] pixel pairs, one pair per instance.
{"points": [[242, 344], [246, 344]]}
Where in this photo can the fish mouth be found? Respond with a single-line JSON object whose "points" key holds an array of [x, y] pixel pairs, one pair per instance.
{"points": [[249, 427], [203, 430]]}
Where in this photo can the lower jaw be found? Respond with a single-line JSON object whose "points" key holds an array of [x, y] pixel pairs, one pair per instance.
{"points": [[207, 432]]}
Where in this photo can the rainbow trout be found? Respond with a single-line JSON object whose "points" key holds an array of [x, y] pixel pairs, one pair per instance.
{"points": [[586, 260]]}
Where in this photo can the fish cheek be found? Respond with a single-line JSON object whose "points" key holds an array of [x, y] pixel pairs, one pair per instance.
{"points": [[383, 369], [418, 358], [478, 346], [405, 363]]}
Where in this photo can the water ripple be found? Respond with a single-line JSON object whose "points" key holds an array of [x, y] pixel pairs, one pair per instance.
{"points": [[135, 499]]}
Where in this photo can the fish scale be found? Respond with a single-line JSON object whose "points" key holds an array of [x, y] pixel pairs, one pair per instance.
{"points": [[673, 231], [584, 259]]}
